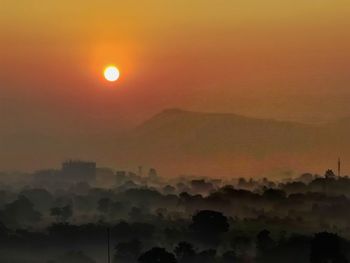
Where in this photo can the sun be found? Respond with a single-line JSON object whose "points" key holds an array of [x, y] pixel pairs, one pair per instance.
{"points": [[111, 73]]}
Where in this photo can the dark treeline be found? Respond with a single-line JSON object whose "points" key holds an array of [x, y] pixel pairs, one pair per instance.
{"points": [[150, 219]]}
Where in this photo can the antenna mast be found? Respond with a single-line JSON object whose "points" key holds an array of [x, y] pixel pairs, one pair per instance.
{"points": [[108, 245]]}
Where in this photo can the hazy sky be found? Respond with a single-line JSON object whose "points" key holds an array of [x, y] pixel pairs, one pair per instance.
{"points": [[286, 59]]}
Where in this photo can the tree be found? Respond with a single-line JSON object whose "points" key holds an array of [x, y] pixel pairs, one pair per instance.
{"points": [[75, 257], [104, 205], [4, 232], [264, 241], [329, 174], [56, 212], [274, 194], [325, 248], [66, 212], [157, 255], [62, 214], [168, 189], [206, 256], [21, 211], [41, 198], [184, 252], [241, 244], [208, 225], [264, 244], [229, 257], [127, 251]]}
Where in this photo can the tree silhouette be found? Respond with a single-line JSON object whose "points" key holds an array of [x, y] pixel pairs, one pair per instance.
{"points": [[325, 248], [241, 244], [229, 257], [41, 198], [206, 256], [264, 244], [62, 214], [21, 211], [329, 174], [75, 257], [157, 255], [127, 251], [274, 194], [208, 225], [185, 252], [104, 205]]}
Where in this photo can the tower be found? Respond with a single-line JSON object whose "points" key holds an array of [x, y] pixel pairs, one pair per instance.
{"points": [[338, 167]]}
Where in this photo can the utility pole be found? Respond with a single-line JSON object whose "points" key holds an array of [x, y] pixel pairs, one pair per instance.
{"points": [[108, 244], [338, 167]]}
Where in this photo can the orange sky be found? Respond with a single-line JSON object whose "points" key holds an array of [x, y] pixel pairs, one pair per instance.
{"points": [[282, 59]]}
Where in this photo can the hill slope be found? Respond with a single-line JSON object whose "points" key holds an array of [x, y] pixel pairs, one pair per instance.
{"points": [[208, 133], [180, 141]]}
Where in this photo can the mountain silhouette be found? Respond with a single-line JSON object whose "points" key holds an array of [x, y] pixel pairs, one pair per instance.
{"points": [[178, 138], [186, 132], [177, 142]]}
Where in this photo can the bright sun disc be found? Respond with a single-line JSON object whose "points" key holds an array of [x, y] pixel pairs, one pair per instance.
{"points": [[111, 73]]}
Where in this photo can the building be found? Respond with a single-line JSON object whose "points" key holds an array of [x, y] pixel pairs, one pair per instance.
{"points": [[79, 171]]}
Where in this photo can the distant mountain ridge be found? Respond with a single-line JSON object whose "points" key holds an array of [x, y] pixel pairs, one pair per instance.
{"points": [[173, 113], [177, 142], [178, 138], [198, 132]]}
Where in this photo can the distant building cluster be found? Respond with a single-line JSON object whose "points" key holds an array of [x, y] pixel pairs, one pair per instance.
{"points": [[78, 171], [72, 171]]}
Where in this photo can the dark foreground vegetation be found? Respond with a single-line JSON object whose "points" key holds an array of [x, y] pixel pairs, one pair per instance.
{"points": [[306, 219]]}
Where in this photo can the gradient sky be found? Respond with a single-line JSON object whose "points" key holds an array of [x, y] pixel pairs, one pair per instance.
{"points": [[278, 59]]}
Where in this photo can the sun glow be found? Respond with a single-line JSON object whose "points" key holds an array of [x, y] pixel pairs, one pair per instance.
{"points": [[111, 73]]}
